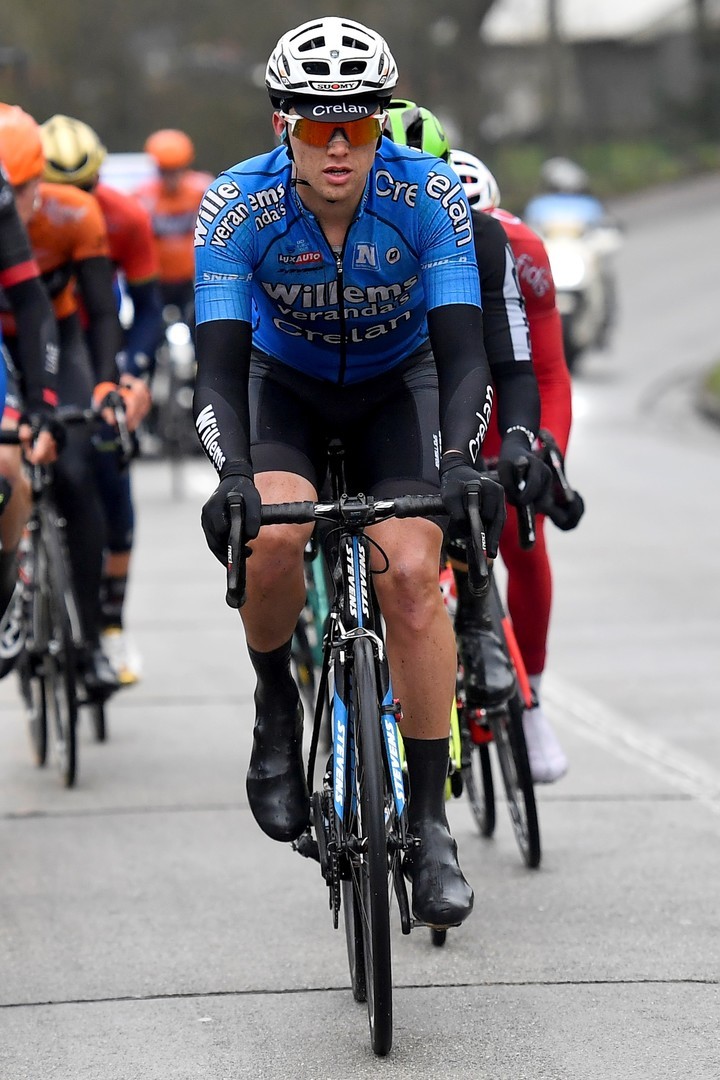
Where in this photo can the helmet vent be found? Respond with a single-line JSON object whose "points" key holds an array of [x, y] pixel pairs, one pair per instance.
{"points": [[355, 43], [313, 43], [316, 67], [353, 67]]}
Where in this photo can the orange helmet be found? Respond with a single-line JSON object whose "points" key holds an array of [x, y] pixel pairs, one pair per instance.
{"points": [[21, 149], [171, 149]]}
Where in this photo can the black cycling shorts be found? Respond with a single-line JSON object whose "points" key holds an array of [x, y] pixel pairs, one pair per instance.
{"points": [[389, 426]]}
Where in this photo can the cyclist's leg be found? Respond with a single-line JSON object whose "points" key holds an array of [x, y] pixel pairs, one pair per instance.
{"points": [[396, 455], [276, 783], [12, 523], [487, 674], [79, 500], [114, 483], [529, 603]]}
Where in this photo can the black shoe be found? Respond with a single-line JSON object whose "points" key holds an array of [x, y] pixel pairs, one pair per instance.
{"points": [[441, 897], [97, 674], [487, 673], [276, 784]]}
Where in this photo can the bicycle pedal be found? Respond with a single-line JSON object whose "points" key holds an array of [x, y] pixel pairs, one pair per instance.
{"points": [[307, 846]]}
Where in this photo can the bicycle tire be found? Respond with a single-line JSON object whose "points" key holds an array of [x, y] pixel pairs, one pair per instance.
{"points": [[509, 739], [98, 721], [370, 868], [354, 942], [32, 691], [59, 665], [478, 782]]}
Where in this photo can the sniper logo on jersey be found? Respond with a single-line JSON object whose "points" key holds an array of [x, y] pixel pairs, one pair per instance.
{"points": [[450, 196], [365, 257]]}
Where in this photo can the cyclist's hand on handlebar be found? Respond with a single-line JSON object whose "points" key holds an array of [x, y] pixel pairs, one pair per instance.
{"points": [[455, 477], [42, 437], [99, 400], [565, 514], [524, 476], [136, 398], [215, 517]]}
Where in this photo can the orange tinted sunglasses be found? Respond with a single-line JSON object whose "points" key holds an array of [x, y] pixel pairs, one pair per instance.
{"points": [[319, 132]]}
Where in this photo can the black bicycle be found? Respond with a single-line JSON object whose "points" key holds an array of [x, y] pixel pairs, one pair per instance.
{"points": [[358, 829], [49, 671]]}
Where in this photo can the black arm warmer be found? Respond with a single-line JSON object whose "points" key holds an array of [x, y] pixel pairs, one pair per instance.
{"points": [[104, 333], [518, 398], [147, 327], [465, 389], [37, 343], [220, 402]]}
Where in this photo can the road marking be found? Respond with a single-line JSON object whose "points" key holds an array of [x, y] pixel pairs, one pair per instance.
{"points": [[598, 723]]}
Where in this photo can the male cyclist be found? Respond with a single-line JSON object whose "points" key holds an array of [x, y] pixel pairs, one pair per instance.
{"points": [[23, 297], [73, 155], [488, 679], [172, 200], [69, 240], [529, 575], [337, 294]]}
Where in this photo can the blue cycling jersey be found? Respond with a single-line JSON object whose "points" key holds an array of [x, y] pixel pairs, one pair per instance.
{"points": [[346, 316]]}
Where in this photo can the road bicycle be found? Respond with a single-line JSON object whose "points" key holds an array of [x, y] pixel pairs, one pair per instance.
{"points": [[502, 726], [358, 831], [49, 670]]}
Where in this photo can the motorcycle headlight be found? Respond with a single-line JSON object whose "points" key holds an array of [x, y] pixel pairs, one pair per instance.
{"points": [[568, 268]]}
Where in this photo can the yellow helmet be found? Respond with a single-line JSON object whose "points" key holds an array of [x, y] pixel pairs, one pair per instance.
{"points": [[73, 152]]}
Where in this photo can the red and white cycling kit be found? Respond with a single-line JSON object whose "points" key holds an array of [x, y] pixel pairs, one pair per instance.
{"points": [[529, 575]]}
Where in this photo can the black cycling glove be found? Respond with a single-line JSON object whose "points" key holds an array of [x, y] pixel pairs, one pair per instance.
{"points": [[455, 476], [523, 474], [215, 517], [46, 421], [565, 514]]}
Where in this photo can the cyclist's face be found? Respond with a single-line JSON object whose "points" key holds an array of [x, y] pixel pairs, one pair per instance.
{"points": [[337, 171]]}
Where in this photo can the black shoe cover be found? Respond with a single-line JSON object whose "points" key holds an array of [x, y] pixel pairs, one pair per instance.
{"points": [[276, 784], [441, 897], [487, 674]]}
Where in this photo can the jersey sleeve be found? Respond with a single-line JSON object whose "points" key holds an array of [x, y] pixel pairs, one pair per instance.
{"points": [[506, 330], [225, 254], [17, 263], [445, 241]]}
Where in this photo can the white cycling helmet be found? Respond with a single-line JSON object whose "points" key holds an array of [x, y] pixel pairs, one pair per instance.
{"points": [[479, 183], [330, 58]]}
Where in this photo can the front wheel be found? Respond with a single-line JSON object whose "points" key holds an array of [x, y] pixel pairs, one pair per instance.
{"points": [[509, 738], [371, 871]]}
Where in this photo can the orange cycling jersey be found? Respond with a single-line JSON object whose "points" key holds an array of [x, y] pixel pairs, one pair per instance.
{"points": [[132, 247], [173, 221], [66, 228]]}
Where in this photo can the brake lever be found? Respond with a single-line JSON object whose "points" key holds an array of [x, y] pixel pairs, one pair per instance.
{"points": [[478, 572], [235, 593]]}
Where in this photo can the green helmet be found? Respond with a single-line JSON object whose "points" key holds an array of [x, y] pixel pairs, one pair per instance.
{"points": [[409, 124]]}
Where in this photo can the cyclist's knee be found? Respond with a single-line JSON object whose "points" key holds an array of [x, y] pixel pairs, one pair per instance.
{"points": [[278, 551]]}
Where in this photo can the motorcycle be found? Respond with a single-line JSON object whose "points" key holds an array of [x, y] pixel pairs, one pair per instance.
{"points": [[581, 261], [170, 431]]}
